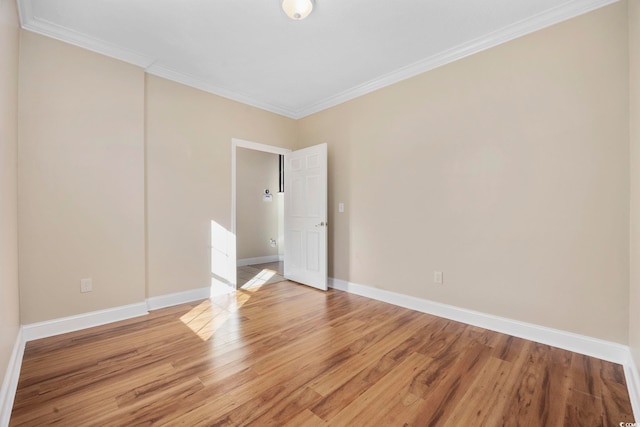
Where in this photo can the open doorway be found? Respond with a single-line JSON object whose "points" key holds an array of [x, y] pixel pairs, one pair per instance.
{"points": [[257, 213]]}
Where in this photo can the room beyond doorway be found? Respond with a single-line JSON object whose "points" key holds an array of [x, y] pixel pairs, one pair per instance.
{"points": [[259, 208], [255, 205]]}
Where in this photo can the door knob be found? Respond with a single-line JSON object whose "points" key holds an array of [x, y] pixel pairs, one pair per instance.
{"points": [[322, 224]]}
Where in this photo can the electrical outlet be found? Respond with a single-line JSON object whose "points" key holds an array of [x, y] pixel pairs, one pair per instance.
{"points": [[86, 285], [437, 277], [272, 243]]}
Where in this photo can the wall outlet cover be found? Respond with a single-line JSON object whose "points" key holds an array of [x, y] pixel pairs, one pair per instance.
{"points": [[437, 277], [86, 285]]}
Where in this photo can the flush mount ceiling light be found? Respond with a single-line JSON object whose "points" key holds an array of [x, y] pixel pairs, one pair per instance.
{"points": [[297, 9]]}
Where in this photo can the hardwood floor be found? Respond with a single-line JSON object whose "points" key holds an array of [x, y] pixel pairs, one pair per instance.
{"points": [[286, 354]]}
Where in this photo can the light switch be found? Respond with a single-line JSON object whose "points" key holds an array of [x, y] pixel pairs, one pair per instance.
{"points": [[340, 207]]}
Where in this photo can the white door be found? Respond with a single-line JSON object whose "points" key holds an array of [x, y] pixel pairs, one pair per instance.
{"points": [[305, 216]]}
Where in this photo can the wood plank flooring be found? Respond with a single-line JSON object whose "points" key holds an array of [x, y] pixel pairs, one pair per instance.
{"points": [[288, 355]]}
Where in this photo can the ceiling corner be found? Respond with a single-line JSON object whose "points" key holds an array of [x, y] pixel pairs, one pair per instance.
{"points": [[25, 12], [564, 11], [31, 23], [194, 82], [548, 18]]}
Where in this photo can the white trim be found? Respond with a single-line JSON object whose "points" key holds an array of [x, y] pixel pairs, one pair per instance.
{"points": [[258, 260], [10, 382], [633, 385], [235, 142], [594, 347], [197, 83], [49, 328], [66, 35], [150, 64], [25, 12], [582, 344], [601, 349], [508, 33], [162, 301], [550, 17]]}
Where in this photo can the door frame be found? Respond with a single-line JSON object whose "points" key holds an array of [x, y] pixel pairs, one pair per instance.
{"points": [[235, 144]]}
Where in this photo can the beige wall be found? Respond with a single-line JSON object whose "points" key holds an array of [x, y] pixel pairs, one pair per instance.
{"points": [[86, 120], [81, 180], [256, 220], [507, 170], [634, 115], [9, 301], [188, 142]]}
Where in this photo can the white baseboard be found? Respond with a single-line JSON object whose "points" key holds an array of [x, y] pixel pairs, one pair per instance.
{"points": [[154, 303], [78, 322], [633, 385], [601, 349], [594, 347], [258, 260], [10, 382], [34, 331], [63, 325]]}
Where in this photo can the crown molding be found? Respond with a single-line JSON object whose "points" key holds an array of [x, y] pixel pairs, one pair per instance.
{"points": [[54, 31], [25, 12], [518, 29], [188, 80], [151, 66]]}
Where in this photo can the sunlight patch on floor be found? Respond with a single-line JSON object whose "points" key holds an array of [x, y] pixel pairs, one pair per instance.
{"points": [[258, 280], [200, 317], [210, 315]]}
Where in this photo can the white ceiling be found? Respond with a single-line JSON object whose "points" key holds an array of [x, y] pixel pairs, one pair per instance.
{"points": [[250, 51]]}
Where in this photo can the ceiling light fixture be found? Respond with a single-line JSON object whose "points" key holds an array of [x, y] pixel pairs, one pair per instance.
{"points": [[297, 9]]}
